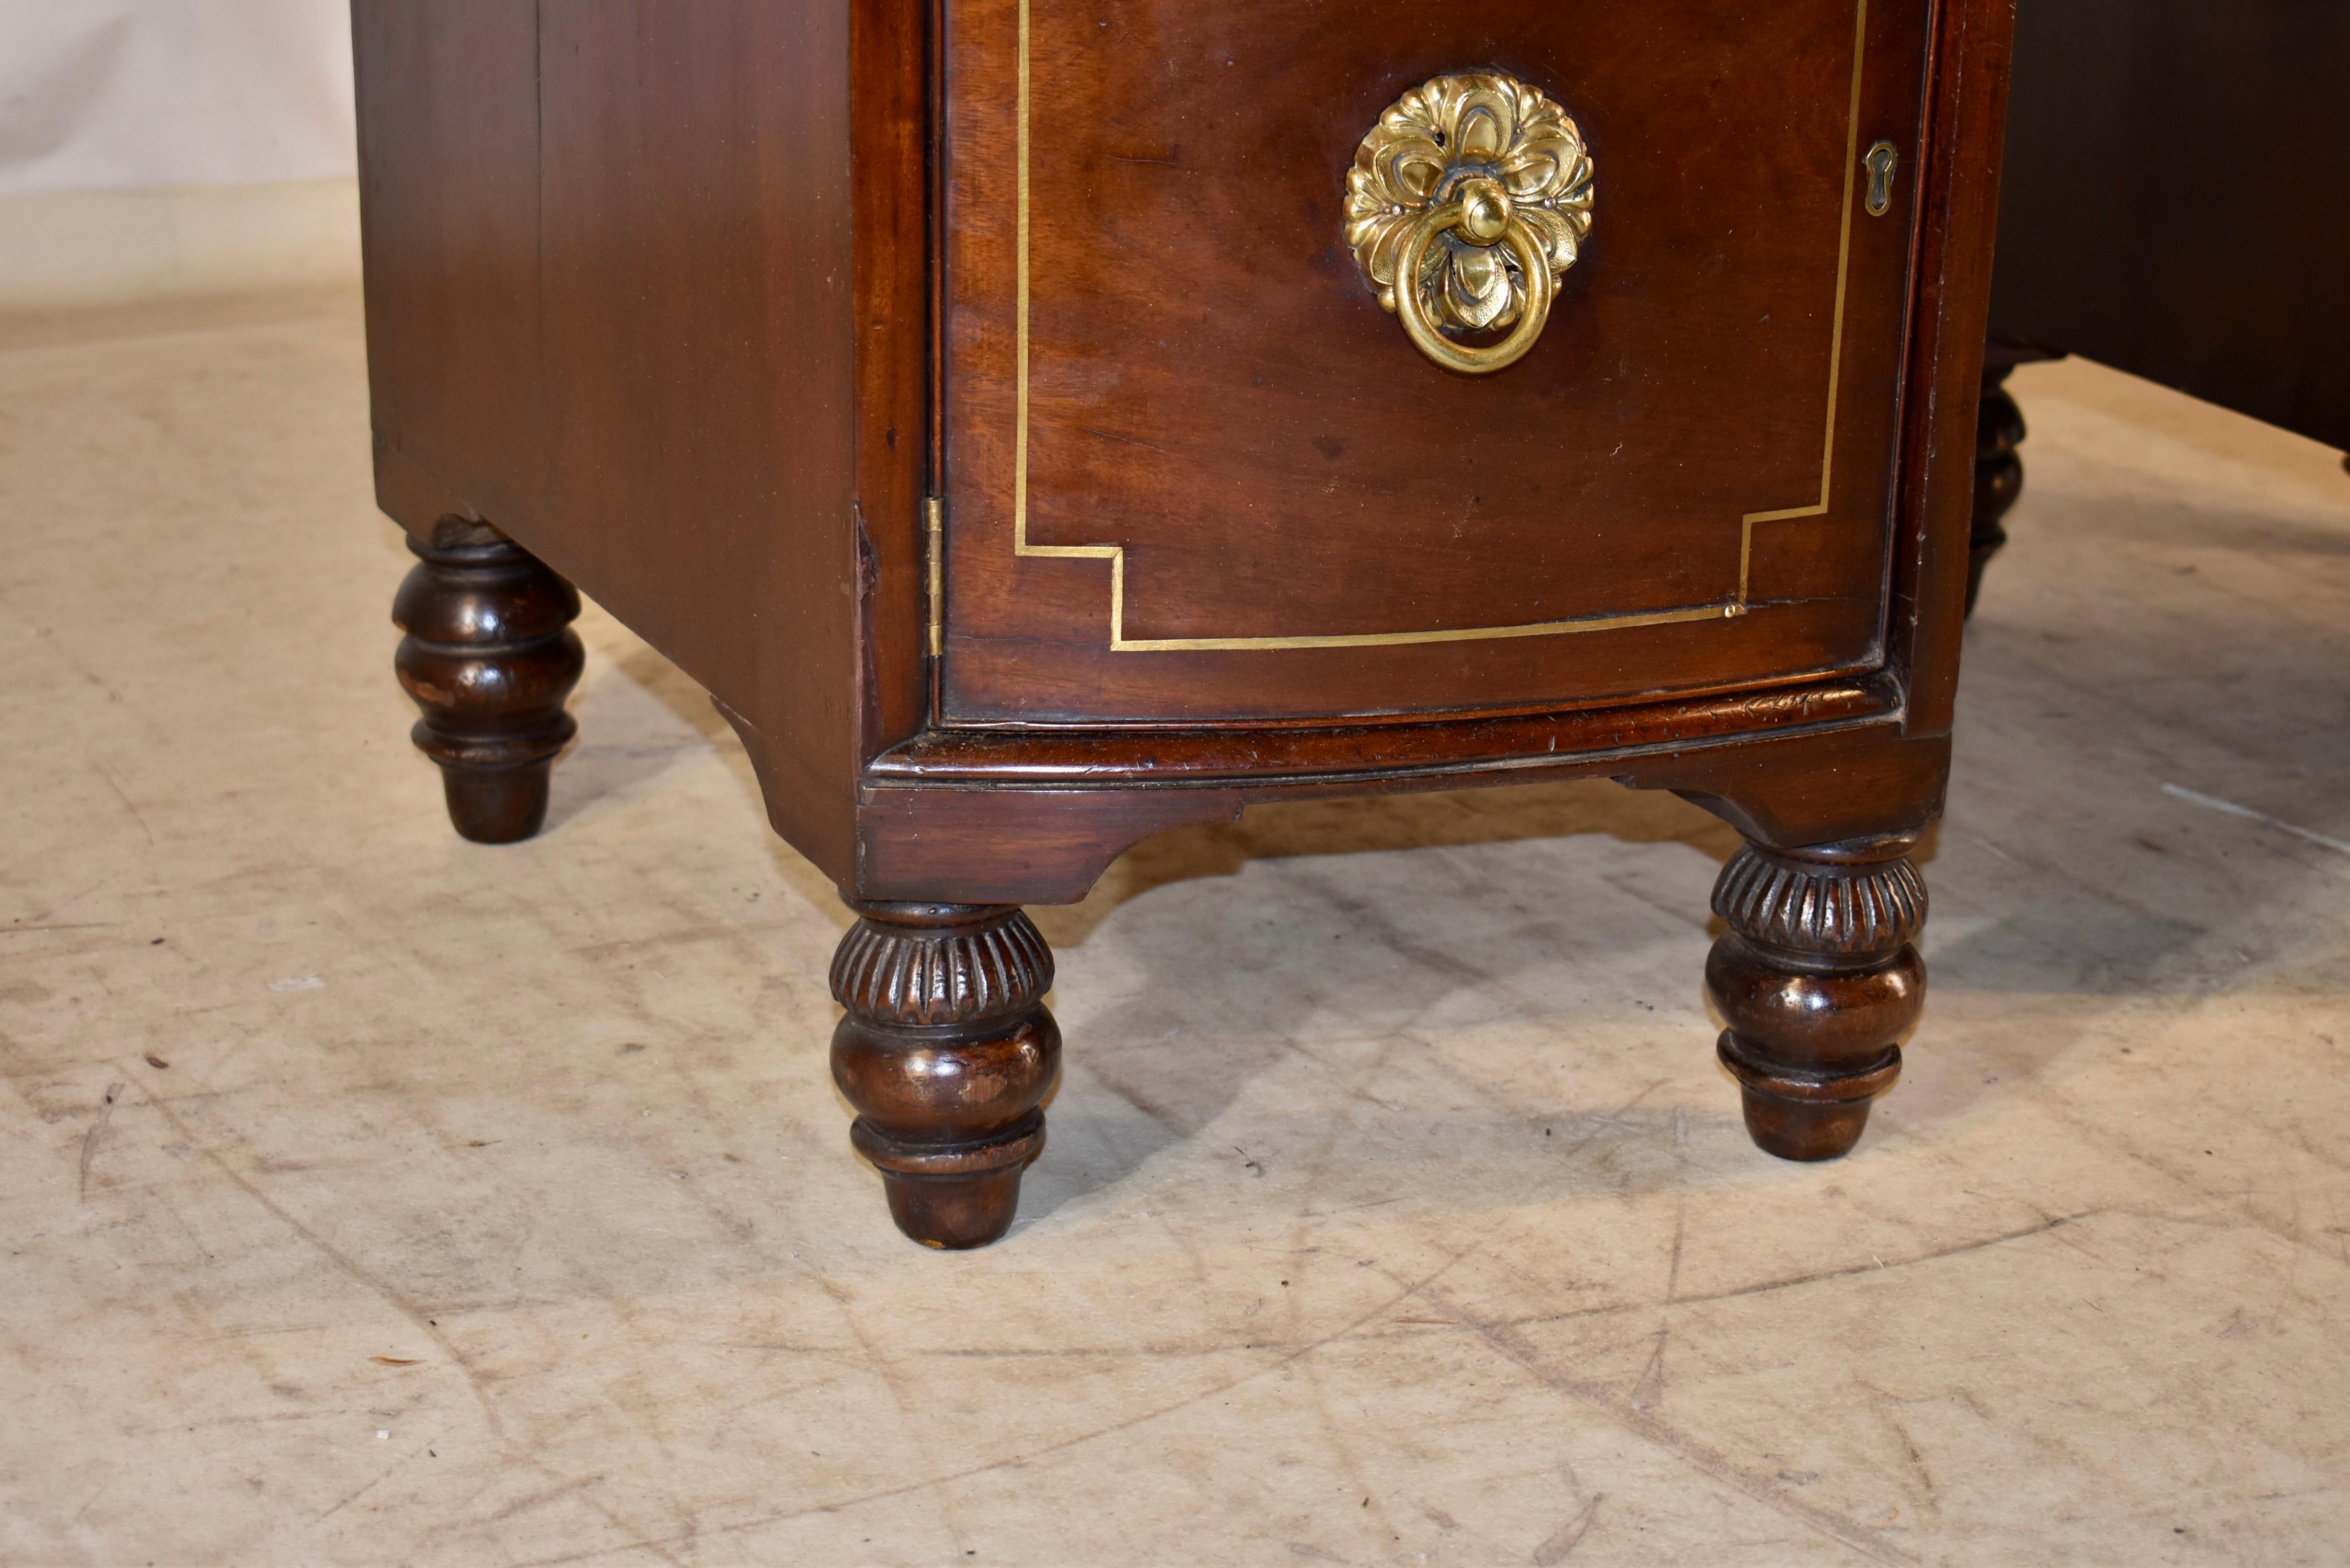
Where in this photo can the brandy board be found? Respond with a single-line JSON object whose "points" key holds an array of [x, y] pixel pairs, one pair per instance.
{"points": [[1038, 423]]}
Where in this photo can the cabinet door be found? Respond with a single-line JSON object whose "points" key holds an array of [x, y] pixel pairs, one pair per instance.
{"points": [[1194, 471]]}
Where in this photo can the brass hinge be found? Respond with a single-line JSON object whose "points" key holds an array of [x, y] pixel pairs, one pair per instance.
{"points": [[936, 509]]}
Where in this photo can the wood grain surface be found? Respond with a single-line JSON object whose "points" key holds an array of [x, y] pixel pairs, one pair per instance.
{"points": [[1214, 390], [700, 304]]}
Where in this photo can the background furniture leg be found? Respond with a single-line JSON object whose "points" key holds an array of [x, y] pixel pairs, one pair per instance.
{"points": [[490, 657], [1999, 473], [947, 1052], [1817, 982]]}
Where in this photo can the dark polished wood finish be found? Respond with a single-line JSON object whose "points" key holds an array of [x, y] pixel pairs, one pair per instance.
{"points": [[717, 308], [947, 1051], [1213, 393], [490, 657], [1818, 981]]}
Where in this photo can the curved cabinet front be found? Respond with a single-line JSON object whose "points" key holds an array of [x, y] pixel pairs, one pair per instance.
{"points": [[1195, 469]]}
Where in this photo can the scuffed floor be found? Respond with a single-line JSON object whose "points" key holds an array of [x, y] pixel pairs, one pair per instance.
{"points": [[370, 1196]]}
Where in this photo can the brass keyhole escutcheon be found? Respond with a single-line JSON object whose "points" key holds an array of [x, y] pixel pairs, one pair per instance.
{"points": [[1467, 203], [1882, 162]]}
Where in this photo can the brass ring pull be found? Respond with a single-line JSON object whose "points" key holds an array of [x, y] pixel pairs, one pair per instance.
{"points": [[1467, 203], [1533, 310]]}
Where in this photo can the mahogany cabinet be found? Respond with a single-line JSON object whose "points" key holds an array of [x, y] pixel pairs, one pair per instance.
{"points": [[1039, 423]]}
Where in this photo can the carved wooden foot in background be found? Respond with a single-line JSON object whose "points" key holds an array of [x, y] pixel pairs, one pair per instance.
{"points": [[489, 656], [1999, 473], [947, 1052], [1818, 983]]}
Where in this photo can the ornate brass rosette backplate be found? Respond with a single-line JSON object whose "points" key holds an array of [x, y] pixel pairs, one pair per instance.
{"points": [[1468, 201]]}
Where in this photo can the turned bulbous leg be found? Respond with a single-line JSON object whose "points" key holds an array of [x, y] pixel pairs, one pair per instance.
{"points": [[1999, 474], [490, 657], [947, 1052], [1818, 983]]}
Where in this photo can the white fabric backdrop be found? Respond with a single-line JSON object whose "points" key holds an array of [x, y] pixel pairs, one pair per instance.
{"points": [[108, 94]]}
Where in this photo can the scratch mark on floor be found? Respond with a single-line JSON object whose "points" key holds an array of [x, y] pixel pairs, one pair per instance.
{"points": [[1649, 1392], [542, 1498], [83, 1510], [335, 1255], [1553, 1552], [1956, 1249], [1016, 1461], [1514, 1347], [2213, 803], [126, 804], [97, 1131], [350, 1498]]}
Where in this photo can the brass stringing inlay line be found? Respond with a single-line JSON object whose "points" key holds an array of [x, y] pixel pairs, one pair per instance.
{"points": [[1836, 340], [1116, 555]]}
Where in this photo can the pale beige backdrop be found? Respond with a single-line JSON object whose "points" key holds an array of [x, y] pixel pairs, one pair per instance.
{"points": [[153, 148], [369, 1197]]}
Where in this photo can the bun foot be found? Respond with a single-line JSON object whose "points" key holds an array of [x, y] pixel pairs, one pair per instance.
{"points": [[947, 1052], [1819, 982], [489, 658], [1999, 474]]}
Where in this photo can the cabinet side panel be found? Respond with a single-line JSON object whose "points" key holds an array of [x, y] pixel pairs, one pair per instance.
{"points": [[890, 62], [448, 140], [697, 244]]}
